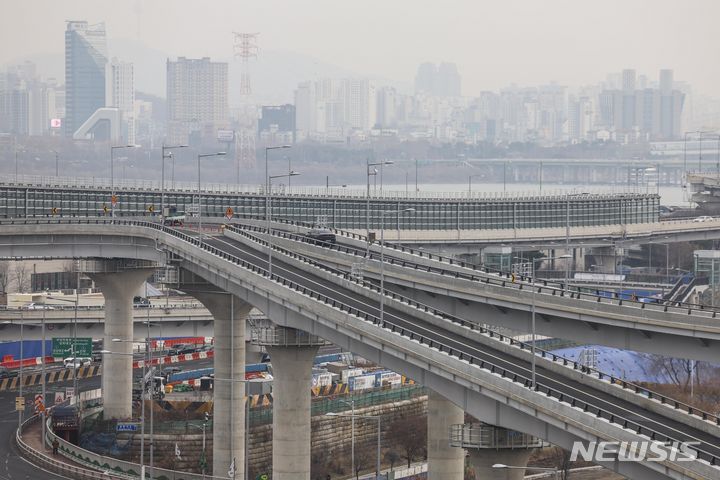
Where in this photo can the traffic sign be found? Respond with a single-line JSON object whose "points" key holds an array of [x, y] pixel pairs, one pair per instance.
{"points": [[19, 404], [39, 403], [53, 211], [229, 213], [59, 398], [62, 347], [127, 427], [151, 208], [69, 392], [114, 200], [105, 208]]}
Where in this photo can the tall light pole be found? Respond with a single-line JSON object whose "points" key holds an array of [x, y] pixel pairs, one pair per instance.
{"points": [[416, 176], [470, 177], [162, 175], [203, 155], [369, 173], [382, 257], [352, 432], [112, 174], [57, 163], [532, 316], [376, 418], [268, 196], [269, 199]]}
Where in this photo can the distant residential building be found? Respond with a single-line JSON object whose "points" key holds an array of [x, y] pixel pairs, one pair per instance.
{"points": [[643, 114], [439, 81], [122, 95], [387, 107], [197, 98], [85, 61], [358, 103], [277, 124]]}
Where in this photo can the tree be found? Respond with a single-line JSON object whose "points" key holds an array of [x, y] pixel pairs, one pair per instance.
{"points": [[561, 460], [409, 433], [4, 276], [21, 276], [391, 457], [364, 459]]}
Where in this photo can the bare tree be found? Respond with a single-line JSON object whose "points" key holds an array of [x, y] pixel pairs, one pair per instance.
{"points": [[561, 460], [21, 276], [409, 433], [4, 276], [676, 370], [363, 460]]}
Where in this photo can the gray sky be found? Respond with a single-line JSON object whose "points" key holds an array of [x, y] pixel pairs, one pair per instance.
{"points": [[494, 42]]}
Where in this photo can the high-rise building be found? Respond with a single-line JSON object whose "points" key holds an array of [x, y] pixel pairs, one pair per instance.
{"points": [[277, 124], [442, 81], [197, 98], [448, 81], [358, 103], [122, 95], [386, 106], [425, 78], [85, 60]]}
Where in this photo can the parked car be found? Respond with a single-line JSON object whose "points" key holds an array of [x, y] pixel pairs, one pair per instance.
{"points": [[5, 373], [188, 349], [702, 218], [320, 236]]}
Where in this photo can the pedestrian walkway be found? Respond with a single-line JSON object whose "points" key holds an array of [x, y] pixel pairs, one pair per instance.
{"points": [[32, 438]]}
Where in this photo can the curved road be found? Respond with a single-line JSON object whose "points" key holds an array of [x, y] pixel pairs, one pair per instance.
{"points": [[628, 410]]}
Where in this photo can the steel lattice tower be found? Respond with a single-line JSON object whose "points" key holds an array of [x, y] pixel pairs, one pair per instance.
{"points": [[245, 47]]}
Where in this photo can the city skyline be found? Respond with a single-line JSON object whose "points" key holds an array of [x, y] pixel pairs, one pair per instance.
{"points": [[493, 46]]}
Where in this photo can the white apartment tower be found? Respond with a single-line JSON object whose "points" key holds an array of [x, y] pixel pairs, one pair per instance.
{"points": [[121, 94], [197, 98]]}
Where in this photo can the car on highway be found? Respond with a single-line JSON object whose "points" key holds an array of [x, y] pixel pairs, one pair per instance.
{"points": [[140, 302], [702, 218], [167, 371], [38, 306], [72, 362], [320, 236]]}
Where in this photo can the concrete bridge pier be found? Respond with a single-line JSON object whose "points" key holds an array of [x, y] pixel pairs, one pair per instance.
{"points": [[118, 286], [230, 317], [488, 445], [292, 353], [444, 461]]}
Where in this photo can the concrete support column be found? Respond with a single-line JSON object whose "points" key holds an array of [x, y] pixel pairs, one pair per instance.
{"points": [[292, 370], [119, 288], [483, 459], [444, 462], [229, 314]]}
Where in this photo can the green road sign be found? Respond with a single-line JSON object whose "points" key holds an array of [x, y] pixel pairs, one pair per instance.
{"points": [[62, 347]]}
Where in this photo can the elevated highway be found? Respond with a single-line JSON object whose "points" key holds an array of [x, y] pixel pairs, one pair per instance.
{"points": [[477, 295], [175, 320], [423, 342]]}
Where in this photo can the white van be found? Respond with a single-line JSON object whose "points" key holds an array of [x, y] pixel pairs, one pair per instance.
{"points": [[78, 362]]}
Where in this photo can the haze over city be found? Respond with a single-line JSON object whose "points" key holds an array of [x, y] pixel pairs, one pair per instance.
{"points": [[494, 43]]}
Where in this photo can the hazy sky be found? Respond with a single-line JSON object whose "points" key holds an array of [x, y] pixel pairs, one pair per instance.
{"points": [[494, 42]]}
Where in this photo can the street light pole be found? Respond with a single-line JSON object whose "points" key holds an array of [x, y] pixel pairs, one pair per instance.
{"points": [[268, 197], [162, 175], [367, 198], [382, 258], [57, 163], [532, 316], [203, 155], [270, 179], [112, 174], [376, 418]]}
